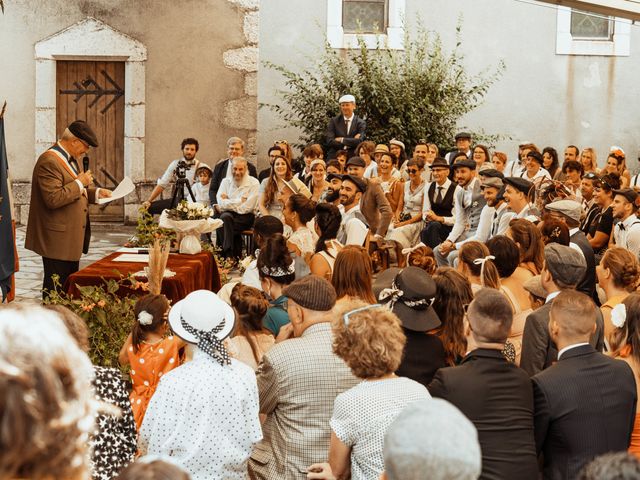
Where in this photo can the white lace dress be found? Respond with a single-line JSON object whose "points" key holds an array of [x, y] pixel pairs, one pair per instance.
{"points": [[305, 240], [407, 235]]}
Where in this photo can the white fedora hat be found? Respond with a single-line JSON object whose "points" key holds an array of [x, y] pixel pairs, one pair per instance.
{"points": [[202, 310]]}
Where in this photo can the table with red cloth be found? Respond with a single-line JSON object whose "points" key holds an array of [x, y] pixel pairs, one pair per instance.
{"points": [[193, 272]]}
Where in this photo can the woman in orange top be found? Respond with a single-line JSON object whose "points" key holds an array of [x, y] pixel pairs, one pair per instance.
{"points": [[148, 351], [624, 341]]}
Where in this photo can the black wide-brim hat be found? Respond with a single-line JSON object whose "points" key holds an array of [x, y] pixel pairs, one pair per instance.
{"points": [[415, 291]]}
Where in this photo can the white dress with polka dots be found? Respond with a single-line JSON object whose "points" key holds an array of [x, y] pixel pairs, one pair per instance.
{"points": [[205, 417], [362, 414]]}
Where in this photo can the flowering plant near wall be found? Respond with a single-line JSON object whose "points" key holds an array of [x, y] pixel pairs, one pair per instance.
{"points": [[108, 316]]}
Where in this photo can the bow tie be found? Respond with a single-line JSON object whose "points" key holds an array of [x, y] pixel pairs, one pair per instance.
{"points": [[622, 227]]}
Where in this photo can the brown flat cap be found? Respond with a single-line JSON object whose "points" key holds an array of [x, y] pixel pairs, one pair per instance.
{"points": [[313, 293], [83, 131]]}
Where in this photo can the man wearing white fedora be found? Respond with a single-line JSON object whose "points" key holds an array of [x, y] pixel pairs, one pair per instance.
{"points": [[204, 414]]}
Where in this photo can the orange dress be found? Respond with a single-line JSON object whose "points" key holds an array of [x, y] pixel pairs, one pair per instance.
{"points": [[634, 446], [148, 364]]}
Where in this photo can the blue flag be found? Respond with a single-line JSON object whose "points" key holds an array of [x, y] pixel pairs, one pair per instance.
{"points": [[7, 245]]}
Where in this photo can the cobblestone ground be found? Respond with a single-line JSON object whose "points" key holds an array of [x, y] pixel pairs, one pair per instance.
{"points": [[104, 240], [29, 278]]}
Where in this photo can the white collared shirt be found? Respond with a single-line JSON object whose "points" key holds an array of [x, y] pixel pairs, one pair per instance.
{"points": [[575, 246], [628, 238], [426, 202], [551, 296], [169, 176], [576, 345], [353, 231], [82, 187], [241, 198], [348, 122], [462, 202]]}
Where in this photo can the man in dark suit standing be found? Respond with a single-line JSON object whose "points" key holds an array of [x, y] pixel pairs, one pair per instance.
{"points": [[345, 131], [58, 228], [585, 404], [224, 168], [493, 393], [563, 269]]}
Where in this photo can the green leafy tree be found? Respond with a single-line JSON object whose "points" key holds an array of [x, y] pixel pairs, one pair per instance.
{"points": [[420, 92]]}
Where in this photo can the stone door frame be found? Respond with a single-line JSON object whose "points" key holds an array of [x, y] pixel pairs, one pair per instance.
{"points": [[91, 39]]}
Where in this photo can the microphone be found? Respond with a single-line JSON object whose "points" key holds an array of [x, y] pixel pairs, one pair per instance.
{"points": [[85, 166]]}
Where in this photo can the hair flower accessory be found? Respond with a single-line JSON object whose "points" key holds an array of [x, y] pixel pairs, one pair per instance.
{"points": [[619, 315], [145, 318]]}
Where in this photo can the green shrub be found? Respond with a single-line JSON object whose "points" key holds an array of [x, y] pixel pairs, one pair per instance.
{"points": [[417, 93]]}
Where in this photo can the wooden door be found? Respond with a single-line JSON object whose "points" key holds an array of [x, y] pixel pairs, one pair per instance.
{"points": [[94, 92]]}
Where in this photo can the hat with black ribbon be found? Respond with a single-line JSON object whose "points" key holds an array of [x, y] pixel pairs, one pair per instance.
{"points": [[409, 293], [203, 319]]}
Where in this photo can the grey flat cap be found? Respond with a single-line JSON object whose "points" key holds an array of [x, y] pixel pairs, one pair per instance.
{"points": [[568, 208], [432, 437], [566, 264]]}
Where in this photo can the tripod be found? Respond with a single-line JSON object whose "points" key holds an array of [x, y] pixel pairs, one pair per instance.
{"points": [[178, 191]]}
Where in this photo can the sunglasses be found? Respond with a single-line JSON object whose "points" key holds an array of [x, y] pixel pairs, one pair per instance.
{"points": [[591, 176], [412, 170], [347, 316]]}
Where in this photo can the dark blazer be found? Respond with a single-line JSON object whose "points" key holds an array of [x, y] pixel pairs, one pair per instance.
{"points": [[585, 406], [219, 173], [538, 350], [588, 284], [337, 128], [497, 397], [423, 355]]}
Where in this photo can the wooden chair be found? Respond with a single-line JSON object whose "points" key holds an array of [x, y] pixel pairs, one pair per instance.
{"points": [[247, 242]]}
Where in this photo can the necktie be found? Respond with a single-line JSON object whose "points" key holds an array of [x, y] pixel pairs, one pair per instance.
{"points": [[494, 225], [346, 126], [439, 196]]}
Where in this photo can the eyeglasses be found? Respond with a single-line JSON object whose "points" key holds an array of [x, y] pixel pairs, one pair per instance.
{"points": [[412, 170], [346, 316]]}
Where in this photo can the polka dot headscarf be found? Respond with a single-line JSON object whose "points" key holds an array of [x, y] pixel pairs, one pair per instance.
{"points": [[209, 343]]}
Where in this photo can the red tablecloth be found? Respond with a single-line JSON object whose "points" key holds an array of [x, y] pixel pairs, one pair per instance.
{"points": [[193, 272]]}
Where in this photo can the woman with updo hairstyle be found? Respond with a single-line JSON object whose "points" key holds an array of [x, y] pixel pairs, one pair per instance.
{"points": [[328, 219], [476, 264], [624, 344], [529, 241], [298, 211], [618, 276], [353, 275], [370, 340], [507, 258], [424, 258], [554, 230], [453, 292], [276, 270], [251, 340], [153, 469], [616, 163]]}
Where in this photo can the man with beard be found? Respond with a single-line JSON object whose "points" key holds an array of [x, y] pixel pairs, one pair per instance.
{"points": [[626, 233], [468, 202], [438, 208], [353, 228], [236, 201], [189, 148], [335, 182], [516, 194], [224, 168]]}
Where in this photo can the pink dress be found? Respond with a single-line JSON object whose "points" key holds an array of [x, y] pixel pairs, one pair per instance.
{"points": [[148, 364]]}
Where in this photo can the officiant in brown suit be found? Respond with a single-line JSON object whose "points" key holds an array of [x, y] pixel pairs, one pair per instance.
{"points": [[58, 228]]}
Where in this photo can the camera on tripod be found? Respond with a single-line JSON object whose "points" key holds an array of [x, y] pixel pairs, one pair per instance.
{"points": [[181, 184]]}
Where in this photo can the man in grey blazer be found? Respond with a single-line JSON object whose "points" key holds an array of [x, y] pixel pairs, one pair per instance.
{"points": [[563, 270], [298, 381]]}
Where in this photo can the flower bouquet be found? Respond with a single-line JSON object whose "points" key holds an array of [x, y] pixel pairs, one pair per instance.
{"points": [[191, 219]]}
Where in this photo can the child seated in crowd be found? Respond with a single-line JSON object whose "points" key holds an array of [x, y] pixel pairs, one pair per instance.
{"points": [[201, 187], [150, 353]]}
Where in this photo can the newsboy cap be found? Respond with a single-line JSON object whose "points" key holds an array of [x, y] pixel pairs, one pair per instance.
{"points": [[629, 193], [312, 292], [519, 184], [491, 182], [465, 162], [568, 208], [83, 131], [566, 264], [356, 162], [347, 99], [463, 135], [360, 183]]}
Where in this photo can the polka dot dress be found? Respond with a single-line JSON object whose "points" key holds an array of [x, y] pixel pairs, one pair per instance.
{"points": [[148, 364], [362, 415], [205, 416]]}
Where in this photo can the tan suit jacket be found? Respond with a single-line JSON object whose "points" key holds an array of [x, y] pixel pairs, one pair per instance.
{"points": [[298, 381], [376, 208], [58, 211]]}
